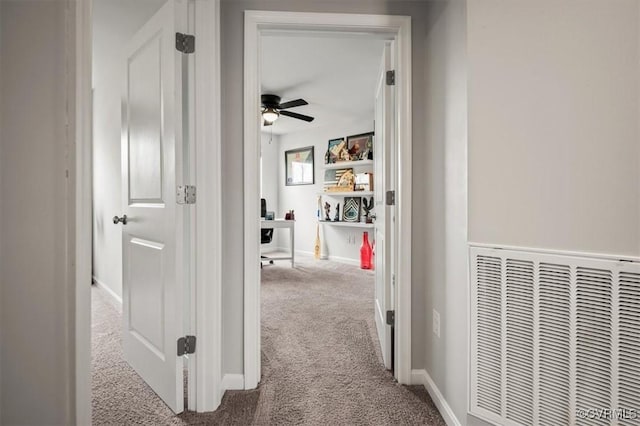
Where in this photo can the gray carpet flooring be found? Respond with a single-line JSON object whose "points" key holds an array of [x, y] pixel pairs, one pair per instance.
{"points": [[321, 362]]}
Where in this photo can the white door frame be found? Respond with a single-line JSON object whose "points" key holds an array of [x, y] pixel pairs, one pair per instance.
{"points": [[396, 27], [207, 299]]}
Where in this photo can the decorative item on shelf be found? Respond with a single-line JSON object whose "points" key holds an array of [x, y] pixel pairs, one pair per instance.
{"points": [[347, 180], [364, 181], [365, 252], [339, 180], [336, 218], [331, 177], [327, 209], [336, 146], [360, 147], [351, 209], [344, 155], [367, 206], [289, 215]]}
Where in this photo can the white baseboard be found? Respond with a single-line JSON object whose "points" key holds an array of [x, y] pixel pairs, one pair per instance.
{"points": [[303, 253], [308, 254], [109, 291], [421, 377], [233, 382], [346, 260]]}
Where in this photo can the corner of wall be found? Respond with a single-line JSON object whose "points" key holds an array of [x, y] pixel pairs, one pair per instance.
{"points": [[421, 377], [446, 355]]}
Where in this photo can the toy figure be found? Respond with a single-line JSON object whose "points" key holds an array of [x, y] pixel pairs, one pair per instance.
{"points": [[327, 208], [367, 207]]}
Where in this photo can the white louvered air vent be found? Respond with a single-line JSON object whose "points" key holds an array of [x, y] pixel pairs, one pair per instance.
{"points": [[489, 322], [629, 342], [594, 357], [555, 339], [519, 342]]}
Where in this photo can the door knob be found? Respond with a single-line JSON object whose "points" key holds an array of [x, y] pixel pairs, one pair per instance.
{"points": [[122, 219]]}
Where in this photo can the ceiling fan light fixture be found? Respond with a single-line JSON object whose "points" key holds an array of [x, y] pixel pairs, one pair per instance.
{"points": [[270, 114]]}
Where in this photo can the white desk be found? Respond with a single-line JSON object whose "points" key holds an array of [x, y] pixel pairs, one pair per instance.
{"points": [[281, 223]]}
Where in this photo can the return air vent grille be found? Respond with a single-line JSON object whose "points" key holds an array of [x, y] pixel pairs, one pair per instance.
{"points": [[554, 335], [519, 323], [489, 322], [629, 344], [594, 351], [554, 348]]}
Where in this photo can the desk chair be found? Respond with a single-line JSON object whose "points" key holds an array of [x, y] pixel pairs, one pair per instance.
{"points": [[266, 235]]}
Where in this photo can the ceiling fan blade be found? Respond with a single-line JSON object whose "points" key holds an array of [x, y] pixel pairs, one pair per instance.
{"points": [[291, 104], [296, 115], [266, 123]]}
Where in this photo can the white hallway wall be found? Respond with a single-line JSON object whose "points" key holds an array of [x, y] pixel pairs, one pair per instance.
{"points": [[303, 199], [36, 339], [554, 149], [107, 180], [444, 197]]}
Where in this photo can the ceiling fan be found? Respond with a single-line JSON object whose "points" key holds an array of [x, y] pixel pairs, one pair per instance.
{"points": [[272, 109]]}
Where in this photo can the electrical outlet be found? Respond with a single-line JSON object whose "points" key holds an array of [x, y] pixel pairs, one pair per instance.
{"points": [[436, 323]]}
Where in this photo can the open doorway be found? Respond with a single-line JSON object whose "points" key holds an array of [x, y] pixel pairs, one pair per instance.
{"points": [[392, 32], [142, 231], [319, 163]]}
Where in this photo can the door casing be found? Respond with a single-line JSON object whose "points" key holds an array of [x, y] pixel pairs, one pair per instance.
{"points": [[397, 28], [204, 23]]}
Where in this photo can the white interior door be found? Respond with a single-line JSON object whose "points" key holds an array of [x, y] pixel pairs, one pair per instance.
{"points": [[383, 181], [152, 237]]}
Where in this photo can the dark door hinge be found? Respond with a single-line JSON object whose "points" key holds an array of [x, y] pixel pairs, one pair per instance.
{"points": [[186, 345], [391, 198], [391, 78], [391, 318], [185, 43]]}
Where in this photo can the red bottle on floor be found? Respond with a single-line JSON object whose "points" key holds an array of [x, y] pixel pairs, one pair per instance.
{"points": [[365, 252]]}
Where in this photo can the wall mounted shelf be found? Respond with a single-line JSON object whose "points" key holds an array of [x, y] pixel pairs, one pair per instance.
{"points": [[347, 194], [349, 164], [347, 224]]}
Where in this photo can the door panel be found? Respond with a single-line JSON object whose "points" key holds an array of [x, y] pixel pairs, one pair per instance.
{"points": [[146, 293], [153, 237], [383, 182], [145, 122]]}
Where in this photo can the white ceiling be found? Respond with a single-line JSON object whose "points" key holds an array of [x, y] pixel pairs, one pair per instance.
{"points": [[335, 74], [114, 23]]}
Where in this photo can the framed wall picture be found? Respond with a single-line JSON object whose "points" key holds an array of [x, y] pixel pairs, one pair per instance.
{"points": [[360, 147], [351, 209], [299, 166]]}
